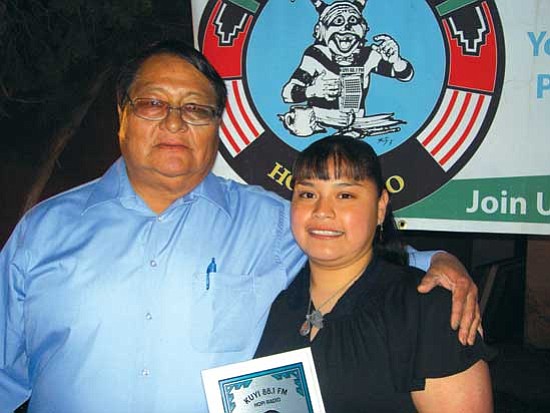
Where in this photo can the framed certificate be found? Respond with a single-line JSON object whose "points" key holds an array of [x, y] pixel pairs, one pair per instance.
{"points": [[282, 383]]}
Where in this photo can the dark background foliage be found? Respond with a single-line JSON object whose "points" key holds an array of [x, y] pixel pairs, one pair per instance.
{"points": [[52, 52], [57, 64]]}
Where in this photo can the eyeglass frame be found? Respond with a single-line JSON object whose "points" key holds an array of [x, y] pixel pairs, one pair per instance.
{"points": [[215, 110]]}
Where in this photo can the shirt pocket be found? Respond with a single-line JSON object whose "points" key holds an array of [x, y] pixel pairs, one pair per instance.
{"points": [[224, 315]]}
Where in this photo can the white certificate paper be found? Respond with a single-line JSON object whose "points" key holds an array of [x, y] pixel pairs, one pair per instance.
{"points": [[282, 383]]}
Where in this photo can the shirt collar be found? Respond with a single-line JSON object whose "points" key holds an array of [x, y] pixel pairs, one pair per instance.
{"points": [[108, 187], [211, 189], [114, 184]]}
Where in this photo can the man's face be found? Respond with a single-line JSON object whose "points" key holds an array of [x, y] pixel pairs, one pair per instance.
{"points": [[345, 31], [161, 151]]}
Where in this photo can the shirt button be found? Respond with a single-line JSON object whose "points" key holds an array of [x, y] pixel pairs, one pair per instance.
{"points": [[160, 218], [149, 316], [153, 263], [145, 372]]}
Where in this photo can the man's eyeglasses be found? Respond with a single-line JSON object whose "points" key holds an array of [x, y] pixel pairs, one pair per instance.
{"points": [[155, 109]]}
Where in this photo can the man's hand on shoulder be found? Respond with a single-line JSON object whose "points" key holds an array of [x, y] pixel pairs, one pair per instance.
{"points": [[448, 272]]}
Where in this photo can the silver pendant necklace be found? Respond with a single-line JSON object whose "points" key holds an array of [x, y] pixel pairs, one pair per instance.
{"points": [[315, 318]]}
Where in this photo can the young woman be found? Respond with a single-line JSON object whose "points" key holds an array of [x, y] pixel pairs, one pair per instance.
{"points": [[378, 345]]}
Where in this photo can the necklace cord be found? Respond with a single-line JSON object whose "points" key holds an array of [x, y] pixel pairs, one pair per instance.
{"points": [[315, 318]]}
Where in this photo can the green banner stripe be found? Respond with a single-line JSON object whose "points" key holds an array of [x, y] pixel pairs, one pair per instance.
{"points": [[451, 5], [250, 5], [525, 199]]}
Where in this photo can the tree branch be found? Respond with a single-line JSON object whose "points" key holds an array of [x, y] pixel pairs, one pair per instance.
{"points": [[60, 140]]}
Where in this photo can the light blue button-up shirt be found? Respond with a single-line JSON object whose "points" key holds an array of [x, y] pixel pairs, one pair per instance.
{"points": [[106, 306]]}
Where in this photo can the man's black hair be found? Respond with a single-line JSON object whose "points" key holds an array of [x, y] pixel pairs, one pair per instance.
{"points": [[177, 48]]}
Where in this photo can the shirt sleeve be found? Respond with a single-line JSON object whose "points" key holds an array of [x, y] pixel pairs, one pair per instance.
{"points": [[420, 259], [421, 343], [439, 352], [14, 383], [290, 254]]}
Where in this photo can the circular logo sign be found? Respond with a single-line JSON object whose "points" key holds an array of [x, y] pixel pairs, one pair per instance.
{"points": [[419, 81]]}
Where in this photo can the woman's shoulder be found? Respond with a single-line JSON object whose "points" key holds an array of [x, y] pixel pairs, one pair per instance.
{"points": [[419, 336], [388, 299], [399, 298], [394, 281]]}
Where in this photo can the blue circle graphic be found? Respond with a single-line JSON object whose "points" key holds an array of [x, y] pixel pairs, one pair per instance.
{"points": [[284, 30]]}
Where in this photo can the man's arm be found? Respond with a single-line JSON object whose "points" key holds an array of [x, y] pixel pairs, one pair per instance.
{"points": [[14, 387], [445, 270], [292, 257]]}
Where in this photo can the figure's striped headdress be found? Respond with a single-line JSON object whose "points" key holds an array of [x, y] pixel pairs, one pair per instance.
{"points": [[326, 11]]}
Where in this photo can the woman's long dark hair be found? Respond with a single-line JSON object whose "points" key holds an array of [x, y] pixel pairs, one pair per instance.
{"points": [[354, 159]]}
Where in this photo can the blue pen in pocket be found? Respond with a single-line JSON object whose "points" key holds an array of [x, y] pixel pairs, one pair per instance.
{"points": [[209, 270]]}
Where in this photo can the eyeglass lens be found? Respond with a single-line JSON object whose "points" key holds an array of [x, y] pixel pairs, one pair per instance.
{"points": [[154, 109]]}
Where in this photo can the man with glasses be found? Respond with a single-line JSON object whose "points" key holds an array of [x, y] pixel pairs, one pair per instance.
{"points": [[116, 294]]}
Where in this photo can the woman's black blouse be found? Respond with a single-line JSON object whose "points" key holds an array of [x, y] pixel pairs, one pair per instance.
{"points": [[380, 341]]}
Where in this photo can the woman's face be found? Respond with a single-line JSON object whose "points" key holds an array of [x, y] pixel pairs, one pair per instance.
{"points": [[334, 221]]}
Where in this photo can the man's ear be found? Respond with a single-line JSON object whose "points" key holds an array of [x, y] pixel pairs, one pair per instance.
{"points": [[383, 202]]}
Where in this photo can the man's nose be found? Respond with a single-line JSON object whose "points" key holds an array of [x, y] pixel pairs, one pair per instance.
{"points": [[174, 122]]}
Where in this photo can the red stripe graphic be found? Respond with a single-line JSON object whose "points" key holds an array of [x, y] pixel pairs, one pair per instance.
{"points": [[242, 110], [229, 138], [455, 129], [239, 125], [473, 119], [455, 125], [235, 123], [443, 119]]}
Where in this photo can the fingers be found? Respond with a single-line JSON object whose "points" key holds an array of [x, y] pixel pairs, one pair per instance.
{"points": [[330, 85], [447, 271], [457, 311], [467, 315], [324, 86], [469, 329], [428, 282], [385, 43], [475, 328], [340, 120], [331, 88], [389, 48], [381, 37]]}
